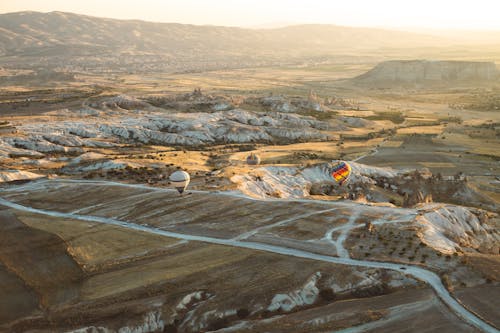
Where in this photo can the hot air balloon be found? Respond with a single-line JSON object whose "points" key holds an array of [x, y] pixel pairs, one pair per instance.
{"points": [[253, 159], [340, 171], [180, 180]]}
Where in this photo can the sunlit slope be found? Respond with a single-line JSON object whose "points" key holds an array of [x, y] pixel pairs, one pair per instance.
{"points": [[55, 32]]}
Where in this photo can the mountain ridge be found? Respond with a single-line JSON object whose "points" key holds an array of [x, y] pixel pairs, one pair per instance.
{"points": [[22, 31]]}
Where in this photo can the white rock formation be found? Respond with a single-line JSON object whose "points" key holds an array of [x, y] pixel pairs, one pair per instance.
{"points": [[86, 157], [6, 150], [39, 144], [12, 175], [152, 323], [103, 165], [448, 228], [304, 296], [179, 129], [191, 298], [293, 182]]}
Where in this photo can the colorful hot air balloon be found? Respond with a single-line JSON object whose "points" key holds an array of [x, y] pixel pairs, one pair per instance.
{"points": [[253, 159], [180, 180], [340, 172]]}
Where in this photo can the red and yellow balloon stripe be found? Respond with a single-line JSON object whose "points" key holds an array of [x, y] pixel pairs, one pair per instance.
{"points": [[340, 172]]}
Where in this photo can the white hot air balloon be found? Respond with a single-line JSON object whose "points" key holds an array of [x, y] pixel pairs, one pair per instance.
{"points": [[180, 180]]}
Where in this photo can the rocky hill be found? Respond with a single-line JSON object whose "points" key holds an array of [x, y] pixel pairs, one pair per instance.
{"points": [[424, 71], [115, 122], [403, 188]]}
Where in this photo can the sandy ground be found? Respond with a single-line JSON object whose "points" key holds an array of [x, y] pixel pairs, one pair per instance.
{"points": [[480, 300]]}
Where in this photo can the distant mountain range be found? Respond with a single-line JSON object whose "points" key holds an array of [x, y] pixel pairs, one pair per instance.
{"points": [[34, 33], [71, 42]]}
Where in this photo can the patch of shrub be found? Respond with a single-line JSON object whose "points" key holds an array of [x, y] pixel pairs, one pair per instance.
{"points": [[327, 294], [243, 312]]}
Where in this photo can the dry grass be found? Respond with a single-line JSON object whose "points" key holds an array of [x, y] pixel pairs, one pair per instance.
{"points": [[93, 244], [474, 145], [483, 300], [284, 154], [189, 160], [434, 129], [191, 260]]}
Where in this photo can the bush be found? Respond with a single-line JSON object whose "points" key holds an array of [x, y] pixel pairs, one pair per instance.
{"points": [[243, 312], [218, 324], [327, 294], [248, 147], [447, 282]]}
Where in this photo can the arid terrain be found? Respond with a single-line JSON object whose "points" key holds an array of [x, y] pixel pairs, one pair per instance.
{"points": [[94, 238]]}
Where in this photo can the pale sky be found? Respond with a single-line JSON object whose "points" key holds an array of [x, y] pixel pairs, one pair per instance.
{"points": [[440, 14]]}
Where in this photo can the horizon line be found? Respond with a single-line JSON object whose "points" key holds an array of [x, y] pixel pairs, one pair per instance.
{"points": [[262, 26]]}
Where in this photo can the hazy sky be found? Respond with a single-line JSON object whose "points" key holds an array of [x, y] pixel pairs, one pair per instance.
{"points": [[456, 14]]}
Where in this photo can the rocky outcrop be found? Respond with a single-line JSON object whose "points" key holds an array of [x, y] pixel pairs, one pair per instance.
{"points": [[152, 322], [283, 104], [408, 72], [179, 129], [449, 228], [7, 150], [39, 144], [405, 188], [14, 175], [193, 101], [100, 166]]}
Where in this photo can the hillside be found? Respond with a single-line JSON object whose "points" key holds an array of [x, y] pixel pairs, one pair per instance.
{"points": [[32, 31], [89, 41], [423, 71]]}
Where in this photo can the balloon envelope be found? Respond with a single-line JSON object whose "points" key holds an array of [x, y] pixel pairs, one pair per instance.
{"points": [[180, 180], [340, 172]]}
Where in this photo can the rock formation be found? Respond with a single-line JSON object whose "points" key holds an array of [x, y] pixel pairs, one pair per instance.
{"points": [[411, 72]]}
